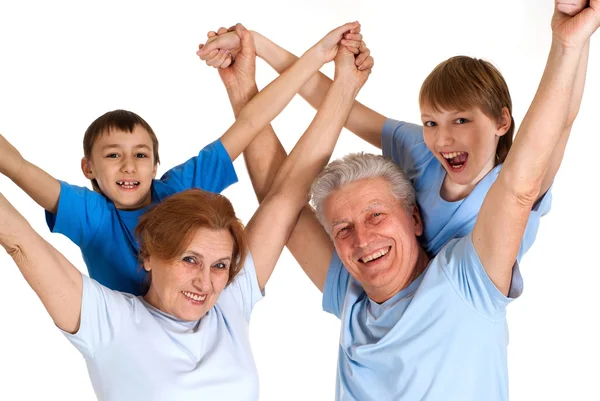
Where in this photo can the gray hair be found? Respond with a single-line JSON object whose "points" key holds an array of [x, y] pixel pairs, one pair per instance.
{"points": [[360, 166]]}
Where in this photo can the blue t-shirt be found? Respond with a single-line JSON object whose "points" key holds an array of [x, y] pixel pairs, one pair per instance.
{"points": [[105, 234], [134, 351], [442, 220], [443, 337]]}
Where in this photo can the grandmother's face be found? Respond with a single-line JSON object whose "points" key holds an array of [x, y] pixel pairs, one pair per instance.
{"points": [[190, 286], [374, 236]]}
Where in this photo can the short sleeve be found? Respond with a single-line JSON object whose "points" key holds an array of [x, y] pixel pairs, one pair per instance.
{"points": [[336, 286], [212, 170], [102, 313], [403, 143], [245, 288], [466, 273], [541, 208], [79, 215]]}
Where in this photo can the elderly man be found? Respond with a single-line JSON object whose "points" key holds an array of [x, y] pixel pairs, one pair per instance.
{"points": [[413, 327]]}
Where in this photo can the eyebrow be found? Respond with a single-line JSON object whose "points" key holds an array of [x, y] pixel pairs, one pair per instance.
{"points": [[366, 209], [200, 256], [116, 145]]}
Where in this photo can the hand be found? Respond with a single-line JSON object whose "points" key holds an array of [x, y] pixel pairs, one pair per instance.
{"points": [[328, 46], [225, 46], [574, 29], [357, 68]]}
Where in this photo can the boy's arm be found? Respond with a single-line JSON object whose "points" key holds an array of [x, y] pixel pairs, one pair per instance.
{"points": [[505, 211], [362, 121], [39, 185], [54, 279]]}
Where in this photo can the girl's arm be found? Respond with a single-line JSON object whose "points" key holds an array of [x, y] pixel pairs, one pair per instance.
{"points": [[54, 279]]}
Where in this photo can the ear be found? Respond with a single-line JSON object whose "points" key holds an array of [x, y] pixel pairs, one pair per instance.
{"points": [[146, 265], [504, 122], [416, 215], [86, 167]]}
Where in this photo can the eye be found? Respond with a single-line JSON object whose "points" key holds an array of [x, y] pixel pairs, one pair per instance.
{"points": [[189, 259], [343, 232], [461, 120], [141, 155], [429, 124], [377, 217], [112, 156], [221, 265]]}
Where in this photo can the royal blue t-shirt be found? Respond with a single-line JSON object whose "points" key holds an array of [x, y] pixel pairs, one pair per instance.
{"points": [[105, 234]]}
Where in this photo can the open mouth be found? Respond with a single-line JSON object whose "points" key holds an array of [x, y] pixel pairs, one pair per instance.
{"points": [[375, 255], [456, 160], [194, 297], [128, 184]]}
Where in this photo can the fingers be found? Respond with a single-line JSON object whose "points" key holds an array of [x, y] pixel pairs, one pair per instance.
{"points": [[350, 26], [206, 56], [571, 7], [365, 53], [367, 64], [219, 59], [221, 31]]}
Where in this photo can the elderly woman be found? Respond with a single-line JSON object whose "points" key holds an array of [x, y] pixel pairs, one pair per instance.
{"points": [[188, 336]]}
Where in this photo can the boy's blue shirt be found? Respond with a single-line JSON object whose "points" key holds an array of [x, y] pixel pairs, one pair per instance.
{"points": [[105, 234]]}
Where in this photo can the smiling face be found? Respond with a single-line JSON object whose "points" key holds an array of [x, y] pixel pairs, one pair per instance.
{"points": [[375, 237], [123, 165], [464, 141], [189, 286]]}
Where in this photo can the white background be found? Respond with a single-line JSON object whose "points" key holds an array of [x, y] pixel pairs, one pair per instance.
{"points": [[62, 64]]}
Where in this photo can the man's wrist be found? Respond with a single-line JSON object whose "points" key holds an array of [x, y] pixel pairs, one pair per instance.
{"points": [[239, 97]]}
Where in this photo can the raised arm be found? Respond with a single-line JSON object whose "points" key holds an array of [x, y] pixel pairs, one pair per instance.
{"points": [[39, 185], [503, 217], [572, 7], [276, 217], [362, 121], [272, 99], [54, 279]]}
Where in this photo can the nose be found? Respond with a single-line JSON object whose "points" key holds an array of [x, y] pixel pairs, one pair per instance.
{"points": [[362, 237], [128, 165], [444, 137], [203, 280]]}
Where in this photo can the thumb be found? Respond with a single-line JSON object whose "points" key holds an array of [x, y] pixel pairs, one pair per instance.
{"points": [[246, 41]]}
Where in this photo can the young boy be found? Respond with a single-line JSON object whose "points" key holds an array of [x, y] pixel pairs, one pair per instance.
{"points": [[120, 158]]}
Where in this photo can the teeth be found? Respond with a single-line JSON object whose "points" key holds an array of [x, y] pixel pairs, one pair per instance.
{"points": [[456, 166], [375, 255], [451, 154], [193, 296], [128, 184]]}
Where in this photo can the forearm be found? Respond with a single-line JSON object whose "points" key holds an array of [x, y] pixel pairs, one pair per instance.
{"points": [[362, 121], [269, 102], [545, 121], [315, 147], [39, 185], [57, 282]]}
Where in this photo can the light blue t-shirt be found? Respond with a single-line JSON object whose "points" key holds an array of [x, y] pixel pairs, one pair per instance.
{"points": [[443, 337], [442, 220], [134, 351], [106, 234]]}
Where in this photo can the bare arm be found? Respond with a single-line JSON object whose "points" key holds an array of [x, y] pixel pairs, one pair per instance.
{"points": [[39, 185], [54, 279], [273, 98], [574, 105], [288, 193], [362, 121], [503, 217]]}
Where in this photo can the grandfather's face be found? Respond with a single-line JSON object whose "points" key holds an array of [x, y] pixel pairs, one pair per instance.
{"points": [[190, 286], [374, 236]]}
